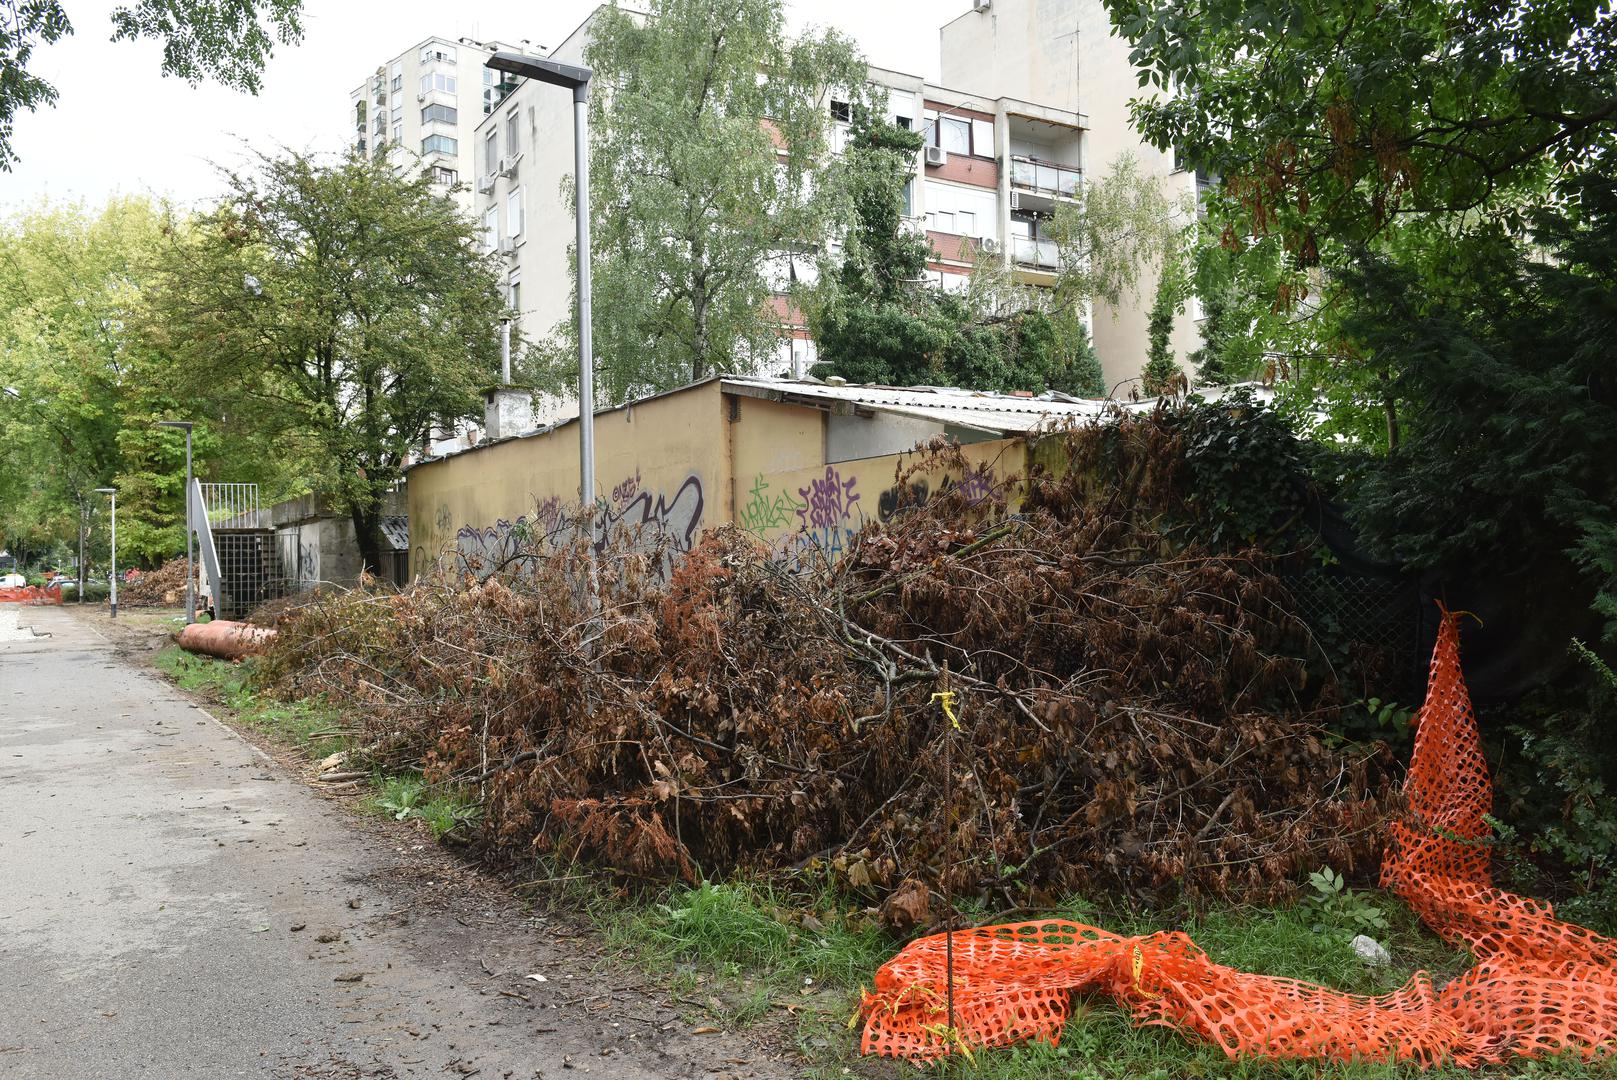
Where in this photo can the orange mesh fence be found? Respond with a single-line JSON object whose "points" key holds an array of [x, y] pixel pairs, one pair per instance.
{"points": [[1540, 986], [30, 594]]}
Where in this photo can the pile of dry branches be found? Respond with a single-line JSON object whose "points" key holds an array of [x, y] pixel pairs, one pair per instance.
{"points": [[163, 587], [1131, 715]]}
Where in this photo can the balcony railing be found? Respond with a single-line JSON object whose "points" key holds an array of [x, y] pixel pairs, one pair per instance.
{"points": [[1030, 251], [1031, 174]]}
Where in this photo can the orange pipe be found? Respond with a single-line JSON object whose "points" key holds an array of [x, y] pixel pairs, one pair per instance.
{"points": [[225, 639]]}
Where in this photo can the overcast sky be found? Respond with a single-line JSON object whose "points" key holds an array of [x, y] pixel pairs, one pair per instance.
{"points": [[119, 126]]}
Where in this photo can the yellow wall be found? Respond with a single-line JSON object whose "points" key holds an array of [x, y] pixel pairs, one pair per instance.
{"points": [[679, 464], [811, 514], [664, 459]]}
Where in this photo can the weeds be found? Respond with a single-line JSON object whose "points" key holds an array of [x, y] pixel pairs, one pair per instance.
{"points": [[411, 796]]}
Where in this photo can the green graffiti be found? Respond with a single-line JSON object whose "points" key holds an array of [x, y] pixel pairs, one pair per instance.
{"points": [[764, 512]]}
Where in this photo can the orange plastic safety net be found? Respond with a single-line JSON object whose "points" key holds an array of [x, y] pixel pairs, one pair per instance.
{"points": [[30, 594], [1540, 986]]}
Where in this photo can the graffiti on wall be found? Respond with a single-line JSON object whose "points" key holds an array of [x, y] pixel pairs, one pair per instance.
{"points": [[832, 504], [767, 510], [635, 519]]}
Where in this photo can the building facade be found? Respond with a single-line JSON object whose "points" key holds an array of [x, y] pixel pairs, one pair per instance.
{"points": [[1064, 53], [420, 109]]}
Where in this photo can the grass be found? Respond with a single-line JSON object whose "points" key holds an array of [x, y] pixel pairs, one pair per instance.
{"points": [[307, 725], [742, 949], [410, 796]]}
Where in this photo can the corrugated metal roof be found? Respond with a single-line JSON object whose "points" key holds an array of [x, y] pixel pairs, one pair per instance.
{"points": [[945, 405]]}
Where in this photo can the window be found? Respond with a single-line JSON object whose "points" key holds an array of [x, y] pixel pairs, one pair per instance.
{"points": [[513, 134], [398, 133], [398, 114], [964, 211], [513, 213], [982, 138], [439, 114], [960, 135], [516, 295], [439, 144], [491, 229], [397, 86], [446, 177], [952, 133], [909, 197], [436, 80], [491, 154], [903, 122], [841, 112], [435, 52]]}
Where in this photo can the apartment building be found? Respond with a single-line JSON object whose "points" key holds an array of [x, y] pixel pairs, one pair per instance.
{"points": [[522, 151], [420, 109], [987, 182], [1064, 53]]}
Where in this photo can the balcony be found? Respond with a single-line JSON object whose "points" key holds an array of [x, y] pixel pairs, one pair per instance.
{"points": [[1044, 181], [1035, 252]]}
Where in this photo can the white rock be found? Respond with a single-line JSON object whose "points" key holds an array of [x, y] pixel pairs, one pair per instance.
{"points": [[1370, 951]]}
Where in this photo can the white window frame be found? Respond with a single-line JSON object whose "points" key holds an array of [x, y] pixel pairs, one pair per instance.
{"points": [[515, 213], [491, 229]]}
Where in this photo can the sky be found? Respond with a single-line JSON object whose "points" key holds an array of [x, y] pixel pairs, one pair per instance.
{"points": [[120, 127]]}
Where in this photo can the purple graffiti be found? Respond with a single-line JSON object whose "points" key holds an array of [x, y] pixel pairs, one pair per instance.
{"points": [[828, 502]]}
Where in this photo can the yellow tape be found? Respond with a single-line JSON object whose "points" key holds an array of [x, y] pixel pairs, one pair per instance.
{"points": [[947, 699]]}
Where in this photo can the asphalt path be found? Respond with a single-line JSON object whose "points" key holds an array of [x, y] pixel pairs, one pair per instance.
{"points": [[174, 903]]}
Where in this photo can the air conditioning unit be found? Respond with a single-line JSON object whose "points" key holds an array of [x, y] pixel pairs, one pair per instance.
{"points": [[980, 5], [509, 244], [508, 165], [485, 184], [1016, 200], [937, 155], [988, 244]]}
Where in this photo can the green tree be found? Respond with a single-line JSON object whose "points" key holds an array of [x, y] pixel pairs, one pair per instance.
{"points": [[1329, 120], [708, 129], [1503, 458], [1161, 373], [224, 40], [337, 309], [1117, 226], [69, 282], [875, 319]]}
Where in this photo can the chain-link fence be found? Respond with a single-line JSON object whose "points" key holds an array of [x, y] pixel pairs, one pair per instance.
{"points": [[1367, 627]]}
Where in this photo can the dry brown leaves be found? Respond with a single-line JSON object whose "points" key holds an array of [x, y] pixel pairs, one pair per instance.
{"points": [[1132, 715]]}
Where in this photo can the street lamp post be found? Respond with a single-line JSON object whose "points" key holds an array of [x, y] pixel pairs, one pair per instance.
{"points": [[576, 79], [114, 493], [190, 568]]}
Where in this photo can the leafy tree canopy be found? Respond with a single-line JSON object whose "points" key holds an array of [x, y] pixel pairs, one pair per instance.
{"points": [[336, 308], [707, 129], [224, 40], [1327, 121]]}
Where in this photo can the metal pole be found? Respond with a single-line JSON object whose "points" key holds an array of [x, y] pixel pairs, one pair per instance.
{"points": [[505, 352], [190, 566], [115, 555], [82, 512], [586, 359]]}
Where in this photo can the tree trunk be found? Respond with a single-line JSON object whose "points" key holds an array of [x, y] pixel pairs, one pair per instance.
{"points": [[1390, 407], [368, 531]]}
